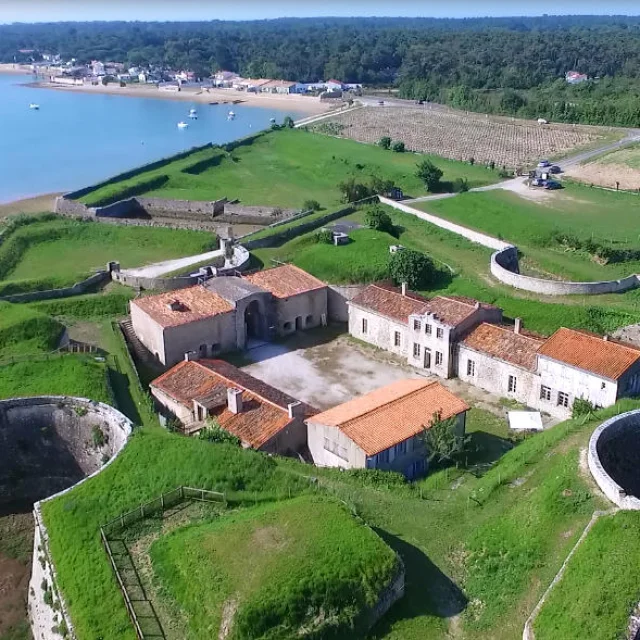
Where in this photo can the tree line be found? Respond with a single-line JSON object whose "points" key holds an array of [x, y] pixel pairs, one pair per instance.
{"points": [[498, 65]]}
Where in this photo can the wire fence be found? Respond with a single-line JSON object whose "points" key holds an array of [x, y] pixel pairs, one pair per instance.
{"points": [[139, 607]]}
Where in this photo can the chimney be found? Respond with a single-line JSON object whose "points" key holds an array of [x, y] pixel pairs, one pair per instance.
{"points": [[295, 410], [234, 400], [190, 356], [605, 337], [404, 288], [476, 306], [518, 326], [174, 305]]}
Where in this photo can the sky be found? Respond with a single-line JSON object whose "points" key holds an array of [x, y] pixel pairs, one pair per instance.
{"points": [[77, 10]]}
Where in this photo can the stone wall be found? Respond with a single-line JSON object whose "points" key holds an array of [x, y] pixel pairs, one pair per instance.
{"points": [[49, 294], [337, 298], [391, 594], [47, 445], [600, 438]]}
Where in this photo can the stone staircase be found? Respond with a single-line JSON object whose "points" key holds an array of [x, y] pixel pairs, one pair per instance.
{"points": [[140, 354]]}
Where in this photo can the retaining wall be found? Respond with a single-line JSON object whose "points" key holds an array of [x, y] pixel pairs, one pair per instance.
{"points": [[337, 298], [32, 431], [49, 294], [602, 436]]}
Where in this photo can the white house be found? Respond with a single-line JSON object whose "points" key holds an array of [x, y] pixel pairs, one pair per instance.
{"points": [[383, 429], [334, 85]]}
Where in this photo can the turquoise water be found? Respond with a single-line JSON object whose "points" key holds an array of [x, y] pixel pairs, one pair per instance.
{"points": [[76, 139]]}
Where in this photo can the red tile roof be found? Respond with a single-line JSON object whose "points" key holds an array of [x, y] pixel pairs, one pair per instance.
{"points": [[390, 415], [590, 352], [194, 303], [387, 300], [285, 281], [264, 408], [503, 343]]}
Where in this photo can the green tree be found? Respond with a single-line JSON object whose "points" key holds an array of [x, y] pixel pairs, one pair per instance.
{"points": [[288, 122], [213, 432], [384, 142], [429, 174], [323, 236], [353, 191], [412, 267], [398, 146], [443, 442], [511, 102], [311, 205], [376, 218]]}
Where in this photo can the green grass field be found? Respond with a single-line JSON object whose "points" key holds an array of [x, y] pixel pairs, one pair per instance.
{"points": [[629, 156], [482, 549], [285, 168], [300, 564], [56, 253], [24, 330], [588, 214]]}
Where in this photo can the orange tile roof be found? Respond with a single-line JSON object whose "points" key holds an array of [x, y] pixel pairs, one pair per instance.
{"points": [[502, 342], [588, 351], [285, 281], [390, 415], [196, 303], [264, 408], [387, 300]]}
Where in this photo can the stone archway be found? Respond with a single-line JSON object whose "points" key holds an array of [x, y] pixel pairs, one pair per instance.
{"points": [[254, 321]]}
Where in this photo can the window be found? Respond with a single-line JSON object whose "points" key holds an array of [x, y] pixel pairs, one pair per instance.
{"points": [[287, 326], [563, 399], [545, 393], [396, 339], [308, 321], [603, 385], [215, 347], [401, 448], [416, 350], [365, 325], [417, 325], [471, 368], [327, 444], [513, 384], [439, 333], [438, 358], [335, 448], [427, 329], [383, 457]]}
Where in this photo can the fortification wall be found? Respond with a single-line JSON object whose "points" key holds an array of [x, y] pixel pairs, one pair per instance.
{"points": [[47, 446], [50, 294], [602, 437]]}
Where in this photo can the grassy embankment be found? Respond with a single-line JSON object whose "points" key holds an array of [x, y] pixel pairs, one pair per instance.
{"points": [[464, 270], [482, 549], [537, 228], [285, 168], [301, 564], [58, 252]]}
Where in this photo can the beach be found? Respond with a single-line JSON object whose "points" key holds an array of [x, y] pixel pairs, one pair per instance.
{"points": [[307, 104]]}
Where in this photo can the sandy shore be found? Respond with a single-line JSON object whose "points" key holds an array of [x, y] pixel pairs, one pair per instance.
{"points": [[37, 204], [302, 104], [15, 69]]}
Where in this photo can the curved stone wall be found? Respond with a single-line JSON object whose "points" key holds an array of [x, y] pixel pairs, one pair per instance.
{"points": [[48, 445], [613, 463]]}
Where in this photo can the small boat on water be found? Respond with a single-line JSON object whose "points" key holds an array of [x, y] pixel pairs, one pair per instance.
{"points": [[34, 106], [273, 120], [231, 115], [193, 114], [182, 125]]}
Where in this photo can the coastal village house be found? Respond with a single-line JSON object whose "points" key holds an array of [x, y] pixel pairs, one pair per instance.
{"points": [[383, 429], [226, 313], [260, 416], [451, 336]]}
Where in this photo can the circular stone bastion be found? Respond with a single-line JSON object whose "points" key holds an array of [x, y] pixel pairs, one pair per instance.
{"points": [[614, 459]]}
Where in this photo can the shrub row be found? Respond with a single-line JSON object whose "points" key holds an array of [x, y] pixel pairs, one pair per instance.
{"points": [[595, 248]]}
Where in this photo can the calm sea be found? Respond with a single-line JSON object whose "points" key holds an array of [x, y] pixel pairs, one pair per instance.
{"points": [[76, 139]]}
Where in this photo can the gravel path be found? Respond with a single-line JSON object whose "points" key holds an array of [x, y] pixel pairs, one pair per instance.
{"points": [[168, 266]]}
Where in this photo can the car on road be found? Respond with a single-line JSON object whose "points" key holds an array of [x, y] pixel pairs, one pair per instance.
{"points": [[555, 169], [544, 163], [380, 103], [538, 182], [552, 184]]}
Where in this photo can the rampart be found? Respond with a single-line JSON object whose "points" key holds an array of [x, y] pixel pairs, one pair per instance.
{"points": [[612, 461], [49, 294]]}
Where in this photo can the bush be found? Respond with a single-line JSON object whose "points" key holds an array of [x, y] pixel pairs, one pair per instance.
{"points": [[429, 174], [288, 122], [412, 267], [460, 185], [376, 218], [97, 437], [353, 191], [215, 433], [398, 146], [323, 236], [582, 408], [384, 142], [311, 205]]}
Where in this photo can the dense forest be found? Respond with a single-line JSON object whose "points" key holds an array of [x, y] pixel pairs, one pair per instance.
{"points": [[501, 65]]}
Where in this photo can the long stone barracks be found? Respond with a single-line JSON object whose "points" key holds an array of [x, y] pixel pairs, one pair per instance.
{"points": [[225, 314], [452, 336]]}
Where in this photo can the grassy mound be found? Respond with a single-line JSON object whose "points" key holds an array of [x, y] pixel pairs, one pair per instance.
{"points": [[61, 252], [304, 568], [66, 375], [284, 168], [24, 330]]}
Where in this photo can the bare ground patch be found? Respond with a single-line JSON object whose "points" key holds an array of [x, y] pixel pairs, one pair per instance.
{"points": [[606, 175]]}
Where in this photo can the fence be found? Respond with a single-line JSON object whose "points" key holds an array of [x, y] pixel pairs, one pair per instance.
{"points": [[140, 609]]}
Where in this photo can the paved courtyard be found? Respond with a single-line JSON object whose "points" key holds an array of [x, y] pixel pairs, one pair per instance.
{"points": [[326, 367]]}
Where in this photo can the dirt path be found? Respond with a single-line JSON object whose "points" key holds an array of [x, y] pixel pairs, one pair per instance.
{"points": [[38, 204]]}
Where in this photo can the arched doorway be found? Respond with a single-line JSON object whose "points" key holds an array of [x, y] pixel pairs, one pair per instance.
{"points": [[253, 320]]}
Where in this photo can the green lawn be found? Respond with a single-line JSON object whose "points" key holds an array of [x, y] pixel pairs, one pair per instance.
{"points": [[60, 252], [588, 214], [26, 331], [300, 564], [284, 168], [629, 156]]}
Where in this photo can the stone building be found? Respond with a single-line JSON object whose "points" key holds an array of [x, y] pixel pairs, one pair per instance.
{"points": [[383, 429], [226, 313], [451, 336], [262, 417]]}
